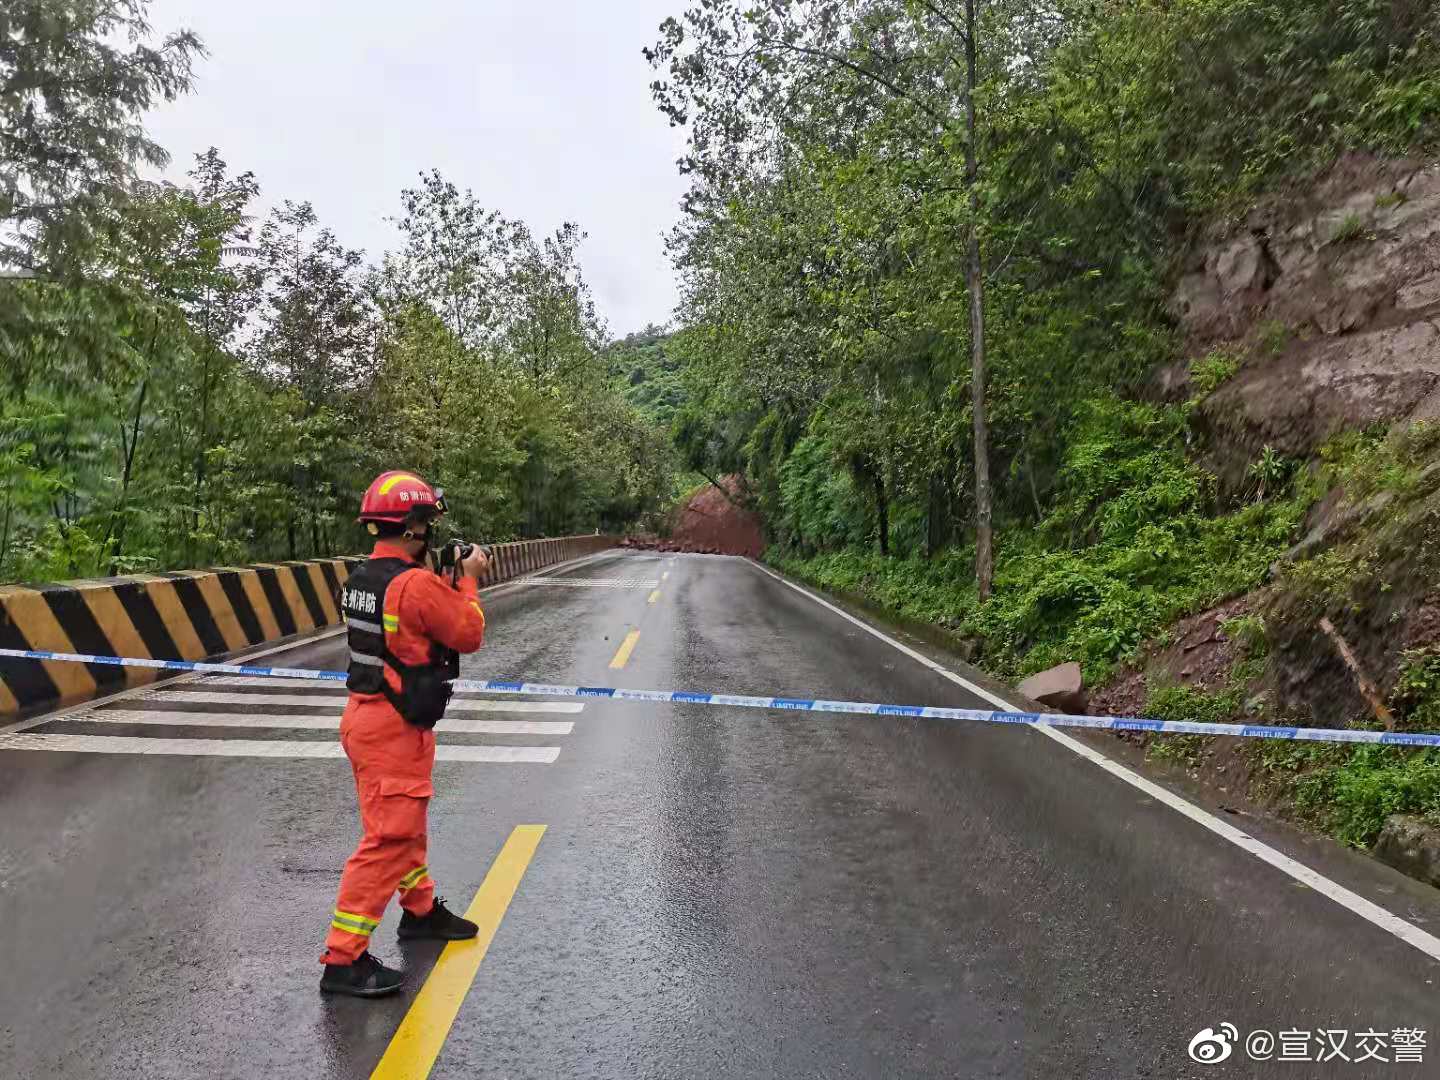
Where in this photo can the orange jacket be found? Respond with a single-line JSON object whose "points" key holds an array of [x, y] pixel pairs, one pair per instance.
{"points": [[420, 608]]}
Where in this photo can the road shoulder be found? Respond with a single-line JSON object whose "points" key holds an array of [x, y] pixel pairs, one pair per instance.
{"points": [[1372, 882]]}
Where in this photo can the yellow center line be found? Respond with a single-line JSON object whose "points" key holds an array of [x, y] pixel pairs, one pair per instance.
{"points": [[417, 1042], [654, 596], [622, 654]]}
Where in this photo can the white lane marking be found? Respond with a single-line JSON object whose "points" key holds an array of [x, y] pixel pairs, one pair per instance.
{"points": [[166, 718], [534, 755], [118, 744], [1388, 921], [336, 701], [265, 680], [589, 583]]}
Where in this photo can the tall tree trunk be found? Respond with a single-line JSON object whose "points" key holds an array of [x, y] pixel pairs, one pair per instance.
{"points": [[5, 533], [1034, 490], [984, 541], [130, 449], [201, 440]]}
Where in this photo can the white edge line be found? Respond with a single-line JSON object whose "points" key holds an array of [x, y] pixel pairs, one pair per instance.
{"points": [[246, 657], [1373, 913]]}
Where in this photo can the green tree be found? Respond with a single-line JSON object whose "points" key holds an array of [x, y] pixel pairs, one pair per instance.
{"points": [[457, 258], [552, 330], [75, 77], [314, 341], [177, 388], [797, 109]]}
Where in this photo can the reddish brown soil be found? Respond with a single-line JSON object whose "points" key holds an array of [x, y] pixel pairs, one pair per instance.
{"points": [[711, 522], [1199, 655], [1422, 628]]}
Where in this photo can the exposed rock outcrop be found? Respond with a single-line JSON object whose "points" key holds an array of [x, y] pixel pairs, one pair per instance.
{"points": [[1295, 403], [1364, 241], [1334, 299]]}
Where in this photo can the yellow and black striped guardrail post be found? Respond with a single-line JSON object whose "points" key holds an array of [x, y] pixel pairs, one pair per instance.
{"points": [[191, 615]]}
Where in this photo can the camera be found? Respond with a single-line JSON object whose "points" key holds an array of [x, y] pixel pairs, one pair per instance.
{"points": [[452, 553]]}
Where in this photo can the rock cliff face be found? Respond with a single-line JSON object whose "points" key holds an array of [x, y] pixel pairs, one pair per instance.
{"points": [[1328, 299], [1333, 296]]}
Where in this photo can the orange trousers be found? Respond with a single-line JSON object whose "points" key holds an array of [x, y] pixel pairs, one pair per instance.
{"points": [[392, 762]]}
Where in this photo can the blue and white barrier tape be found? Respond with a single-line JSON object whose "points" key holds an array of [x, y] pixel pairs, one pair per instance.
{"points": [[863, 708]]}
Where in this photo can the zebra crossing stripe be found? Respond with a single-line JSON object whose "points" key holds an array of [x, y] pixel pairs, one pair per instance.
{"points": [[256, 680], [297, 722], [337, 701], [256, 748]]}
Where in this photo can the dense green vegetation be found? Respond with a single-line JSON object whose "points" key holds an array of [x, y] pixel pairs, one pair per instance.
{"points": [[826, 329], [1132, 542], [648, 375], [182, 382]]}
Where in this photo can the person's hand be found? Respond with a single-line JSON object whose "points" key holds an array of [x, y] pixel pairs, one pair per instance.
{"points": [[475, 564]]}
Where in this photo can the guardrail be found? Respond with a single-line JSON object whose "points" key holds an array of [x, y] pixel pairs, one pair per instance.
{"points": [[192, 615]]}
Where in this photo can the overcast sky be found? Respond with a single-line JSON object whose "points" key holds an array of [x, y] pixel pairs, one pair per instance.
{"points": [[541, 106]]}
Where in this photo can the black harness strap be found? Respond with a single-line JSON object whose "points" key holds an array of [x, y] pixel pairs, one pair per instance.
{"points": [[425, 688]]}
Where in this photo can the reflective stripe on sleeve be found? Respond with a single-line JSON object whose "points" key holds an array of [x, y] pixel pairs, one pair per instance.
{"points": [[361, 658]]}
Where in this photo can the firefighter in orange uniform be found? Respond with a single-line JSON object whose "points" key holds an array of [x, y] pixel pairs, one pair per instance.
{"points": [[407, 627]]}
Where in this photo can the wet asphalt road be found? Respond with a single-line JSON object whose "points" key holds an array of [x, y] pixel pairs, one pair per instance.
{"points": [[719, 893]]}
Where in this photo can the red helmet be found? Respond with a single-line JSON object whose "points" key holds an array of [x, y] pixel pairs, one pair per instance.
{"points": [[396, 495]]}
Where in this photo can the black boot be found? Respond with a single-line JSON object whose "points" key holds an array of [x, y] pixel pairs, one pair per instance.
{"points": [[366, 977], [439, 925]]}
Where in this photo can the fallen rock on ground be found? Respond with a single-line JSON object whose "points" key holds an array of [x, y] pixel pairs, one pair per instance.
{"points": [[1412, 846], [1061, 687]]}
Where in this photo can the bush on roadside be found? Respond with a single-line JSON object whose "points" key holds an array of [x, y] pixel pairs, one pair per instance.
{"points": [[1134, 544], [1352, 797]]}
